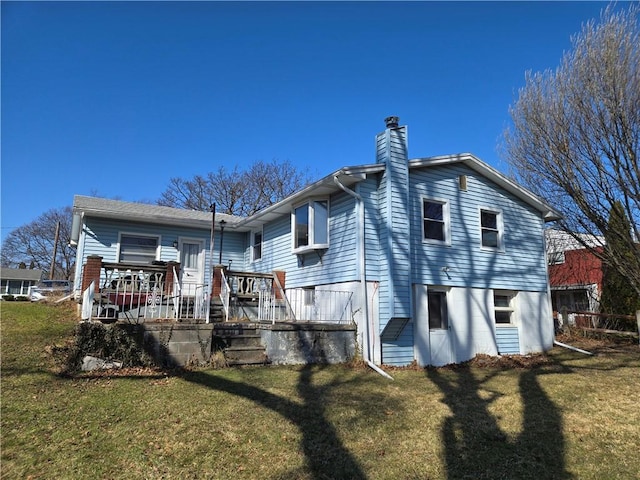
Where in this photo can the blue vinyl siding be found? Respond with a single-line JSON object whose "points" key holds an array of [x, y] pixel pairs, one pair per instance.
{"points": [[400, 352], [520, 266], [336, 264], [100, 237], [507, 340], [368, 191], [395, 225], [395, 243]]}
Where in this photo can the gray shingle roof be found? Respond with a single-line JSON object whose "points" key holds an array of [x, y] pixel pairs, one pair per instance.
{"points": [[20, 274], [148, 213]]}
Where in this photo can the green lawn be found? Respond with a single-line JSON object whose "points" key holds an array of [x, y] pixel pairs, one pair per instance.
{"points": [[568, 416]]}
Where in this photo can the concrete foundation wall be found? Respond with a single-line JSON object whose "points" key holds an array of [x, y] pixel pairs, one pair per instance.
{"points": [[292, 344], [180, 344], [175, 344]]}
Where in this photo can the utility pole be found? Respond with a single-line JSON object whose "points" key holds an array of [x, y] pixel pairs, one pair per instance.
{"points": [[212, 208], [55, 252]]}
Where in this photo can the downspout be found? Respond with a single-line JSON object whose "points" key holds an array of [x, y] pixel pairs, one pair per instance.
{"points": [[363, 277]]}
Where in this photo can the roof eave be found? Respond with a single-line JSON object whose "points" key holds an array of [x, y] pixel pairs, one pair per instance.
{"points": [[114, 210], [325, 186]]}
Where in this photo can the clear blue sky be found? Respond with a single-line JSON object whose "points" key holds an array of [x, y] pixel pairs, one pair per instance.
{"points": [[115, 98]]}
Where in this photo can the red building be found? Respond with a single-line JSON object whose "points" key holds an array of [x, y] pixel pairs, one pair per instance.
{"points": [[575, 273]]}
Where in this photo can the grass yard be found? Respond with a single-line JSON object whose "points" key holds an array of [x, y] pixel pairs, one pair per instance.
{"points": [[565, 416]]}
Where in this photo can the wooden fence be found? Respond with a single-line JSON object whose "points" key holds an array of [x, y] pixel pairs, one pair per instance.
{"points": [[601, 322]]}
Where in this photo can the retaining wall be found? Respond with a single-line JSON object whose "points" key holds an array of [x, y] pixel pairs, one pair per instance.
{"points": [[180, 344]]}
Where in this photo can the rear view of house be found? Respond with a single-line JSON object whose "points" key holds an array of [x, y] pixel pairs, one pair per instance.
{"points": [[434, 259]]}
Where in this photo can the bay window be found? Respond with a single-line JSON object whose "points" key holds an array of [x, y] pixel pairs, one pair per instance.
{"points": [[310, 225]]}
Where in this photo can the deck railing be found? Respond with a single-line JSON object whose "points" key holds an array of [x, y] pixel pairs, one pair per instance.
{"points": [[321, 305], [260, 297], [142, 294], [307, 305], [249, 284]]}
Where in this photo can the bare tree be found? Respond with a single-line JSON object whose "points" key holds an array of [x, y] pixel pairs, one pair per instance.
{"points": [[236, 192], [575, 136], [33, 244]]}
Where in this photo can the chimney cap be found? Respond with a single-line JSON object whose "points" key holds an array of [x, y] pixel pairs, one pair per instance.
{"points": [[392, 122]]}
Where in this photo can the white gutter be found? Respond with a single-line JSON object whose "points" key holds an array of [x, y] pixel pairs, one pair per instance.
{"points": [[363, 277]]}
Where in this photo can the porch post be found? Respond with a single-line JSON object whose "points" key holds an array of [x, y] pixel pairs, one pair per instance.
{"points": [[91, 272], [280, 278], [217, 281], [170, 279]]}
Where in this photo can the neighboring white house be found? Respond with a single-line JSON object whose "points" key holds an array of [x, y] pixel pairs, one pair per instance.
{"points": [[444, 256], [18, 281]]}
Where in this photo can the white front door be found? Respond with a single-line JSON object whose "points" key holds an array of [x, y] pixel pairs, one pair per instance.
{"points": [[191, 265]]}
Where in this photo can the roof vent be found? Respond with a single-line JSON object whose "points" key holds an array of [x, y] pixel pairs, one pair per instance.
{"points": [[392, 122]]}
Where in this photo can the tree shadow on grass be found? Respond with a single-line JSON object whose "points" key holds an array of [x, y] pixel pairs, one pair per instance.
{"points": [[326, 455], [475, 447]]}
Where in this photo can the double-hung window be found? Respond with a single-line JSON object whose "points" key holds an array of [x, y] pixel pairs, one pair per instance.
{"points": [[491, 229], [504, 308], [435, 221], [310, 222], [138, 248], [256, 246]]}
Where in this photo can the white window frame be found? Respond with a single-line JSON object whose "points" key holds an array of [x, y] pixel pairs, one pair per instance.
{"points": [[499, 229], [140, 235], [511, 309], [312, 244], [446, 220], [556, 258], [254, 233]]}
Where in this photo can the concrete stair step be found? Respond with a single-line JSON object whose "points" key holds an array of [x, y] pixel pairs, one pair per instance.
{"points": [[245, 356], [243, 341], [240, 342]]}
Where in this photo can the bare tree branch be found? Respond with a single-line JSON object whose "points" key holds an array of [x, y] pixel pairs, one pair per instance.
{"points": [[32, 244], [575, 135], [236, 192]]}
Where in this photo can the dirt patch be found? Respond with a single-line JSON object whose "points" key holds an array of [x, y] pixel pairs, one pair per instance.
{"points": [[600, 344], [510, 361]]}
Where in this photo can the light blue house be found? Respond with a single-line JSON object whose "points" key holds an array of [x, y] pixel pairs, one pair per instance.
{"points": [[443, 258]]}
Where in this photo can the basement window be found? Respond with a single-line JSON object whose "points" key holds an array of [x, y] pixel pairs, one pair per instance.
{"points": [[504, 307]]}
